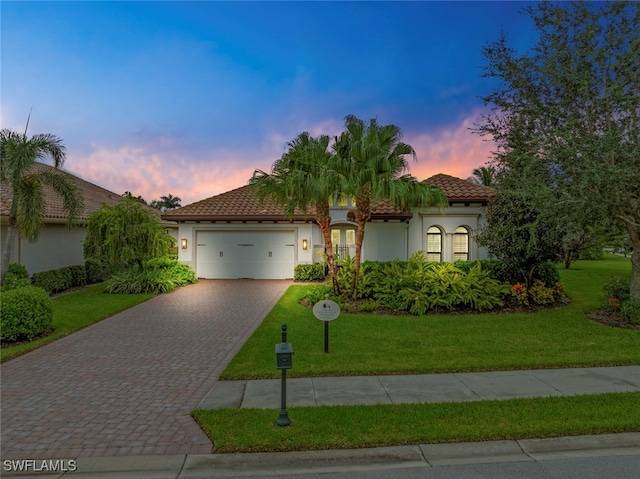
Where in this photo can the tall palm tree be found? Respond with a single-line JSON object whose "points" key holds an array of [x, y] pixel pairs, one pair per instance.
{"points": [[170, 202], [485, 176], [373, 157], [304, 177], [18, 169]]}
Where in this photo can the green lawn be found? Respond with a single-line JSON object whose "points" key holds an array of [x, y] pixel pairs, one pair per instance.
{"points": [[380, 344], [366, 344], [76, 310], [253, 430]]}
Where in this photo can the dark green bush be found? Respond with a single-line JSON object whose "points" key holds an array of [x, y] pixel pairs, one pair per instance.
{"points": [[26, 313], [98, 271], [17, 277], [78, 275], [52, 281], [630, 311], [60, 279], [309, 272], [618, 288]]}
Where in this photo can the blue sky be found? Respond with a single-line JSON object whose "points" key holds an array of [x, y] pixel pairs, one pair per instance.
{"points": [[189, 98]]}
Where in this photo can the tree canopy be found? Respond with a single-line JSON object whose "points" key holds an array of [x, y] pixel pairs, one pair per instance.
{"points": [[565, 115]]}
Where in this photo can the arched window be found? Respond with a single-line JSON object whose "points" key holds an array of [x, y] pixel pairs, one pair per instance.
{"points": [[434, 244], [461, 244]]}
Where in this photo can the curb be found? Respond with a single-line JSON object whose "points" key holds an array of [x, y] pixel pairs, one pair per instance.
{"points": [[298, 462]]}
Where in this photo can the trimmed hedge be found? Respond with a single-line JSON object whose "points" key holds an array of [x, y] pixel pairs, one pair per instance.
{"points": [[309, 272], [27, 313], [60, 279]]}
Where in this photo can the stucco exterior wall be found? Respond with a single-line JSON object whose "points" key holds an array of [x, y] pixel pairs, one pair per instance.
{"points": [[385, 241], [56, 247]]}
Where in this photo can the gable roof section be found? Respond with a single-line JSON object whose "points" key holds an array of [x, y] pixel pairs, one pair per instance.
{"points": [[241, 204], [94, 197]]}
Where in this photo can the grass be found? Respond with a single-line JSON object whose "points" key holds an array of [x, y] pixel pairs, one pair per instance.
{"points": [[362, 344], [379, 344], [254, 430], [76, 310]]}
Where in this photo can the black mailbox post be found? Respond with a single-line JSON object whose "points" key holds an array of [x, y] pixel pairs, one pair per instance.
{"points": [[284, 361]]}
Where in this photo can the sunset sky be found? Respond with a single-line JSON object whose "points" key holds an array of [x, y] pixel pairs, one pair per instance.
{"points": [[189, 98]]}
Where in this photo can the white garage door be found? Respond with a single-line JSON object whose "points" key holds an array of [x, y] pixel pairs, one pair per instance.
{"points": [[245, 254]]}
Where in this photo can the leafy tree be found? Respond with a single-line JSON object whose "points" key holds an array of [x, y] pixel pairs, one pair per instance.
{"points": [[167, 203], [19, 168], [128, 232], [569, 109], [304, 177], [372, 159]]}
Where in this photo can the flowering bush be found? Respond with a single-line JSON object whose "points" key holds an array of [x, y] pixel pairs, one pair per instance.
{"points": [[538, 294]]}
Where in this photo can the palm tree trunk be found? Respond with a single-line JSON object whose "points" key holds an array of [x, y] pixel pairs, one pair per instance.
{"points": [[324, 222], [362, 216], [8, 248]]}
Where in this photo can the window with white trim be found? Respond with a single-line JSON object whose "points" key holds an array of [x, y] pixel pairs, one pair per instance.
{"points": [[434, 244], [461, 244]]}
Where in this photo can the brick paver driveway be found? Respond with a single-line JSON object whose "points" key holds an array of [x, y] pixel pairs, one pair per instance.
{"points": [[127, 385]]}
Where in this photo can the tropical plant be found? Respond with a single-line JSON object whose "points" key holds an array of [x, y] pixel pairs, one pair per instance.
{"points": [[304, 177], [29, 182], [128, 232], [371, 157], [485, 176], [167, 203]]}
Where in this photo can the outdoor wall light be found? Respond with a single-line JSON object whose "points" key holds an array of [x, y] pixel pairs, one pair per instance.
{"points": [[183, 243], [305, 244]]}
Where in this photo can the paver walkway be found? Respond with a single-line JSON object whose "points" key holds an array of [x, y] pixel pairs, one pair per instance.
{"points": [[127, 385]]}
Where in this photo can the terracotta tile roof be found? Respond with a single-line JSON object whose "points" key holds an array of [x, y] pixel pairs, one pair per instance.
{"points": [[241, 204], [94, 197], [461, 191]]}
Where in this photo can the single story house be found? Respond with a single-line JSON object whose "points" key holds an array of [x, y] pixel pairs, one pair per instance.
{"points": [[57, 246], [233, 235]]}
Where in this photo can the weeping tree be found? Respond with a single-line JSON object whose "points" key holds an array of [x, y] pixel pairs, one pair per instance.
{"points": [[570, 109], [29, 180], [128, 233]]}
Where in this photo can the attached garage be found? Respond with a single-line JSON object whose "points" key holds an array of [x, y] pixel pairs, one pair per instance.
{"points": [[263, 254]]}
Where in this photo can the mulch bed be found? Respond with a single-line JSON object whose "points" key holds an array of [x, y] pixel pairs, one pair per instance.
{"points": [[611, 318]]}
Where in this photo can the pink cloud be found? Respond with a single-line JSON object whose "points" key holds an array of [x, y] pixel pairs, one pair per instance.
{"points": [[453, 150], [155, 170]]}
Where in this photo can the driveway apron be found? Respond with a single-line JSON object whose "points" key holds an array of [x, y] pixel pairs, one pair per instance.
{"points": [[127, 385]]}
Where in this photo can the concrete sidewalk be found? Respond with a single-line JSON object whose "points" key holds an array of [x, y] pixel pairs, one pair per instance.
{"points": [[425, 388]]}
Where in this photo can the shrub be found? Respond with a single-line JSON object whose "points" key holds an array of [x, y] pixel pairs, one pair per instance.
{"points": [[17, 277], [27, 312], [317, 293], [546, 272], [52, 281], [616, 291], [309, 272], [630, 311], [159, 276], [60, 279]]}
